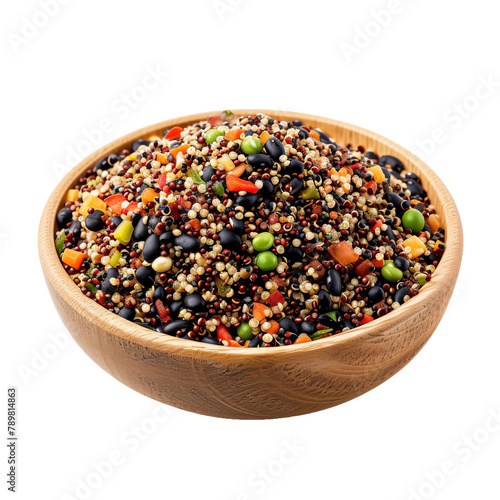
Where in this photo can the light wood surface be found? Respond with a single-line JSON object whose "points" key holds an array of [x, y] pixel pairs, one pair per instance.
{"points": [[267, 382]]}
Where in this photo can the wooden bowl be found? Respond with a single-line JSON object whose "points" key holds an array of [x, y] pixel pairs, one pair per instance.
{"points": [[256, 383]]}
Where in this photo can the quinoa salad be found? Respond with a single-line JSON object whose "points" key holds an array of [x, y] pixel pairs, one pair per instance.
{"points": [[249, 232]]}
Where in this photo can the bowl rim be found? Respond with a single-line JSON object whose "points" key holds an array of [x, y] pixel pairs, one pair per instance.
{"points": [[120, 327]]}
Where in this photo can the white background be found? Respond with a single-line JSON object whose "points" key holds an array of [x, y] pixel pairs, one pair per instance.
{"points": [[413, 72]]}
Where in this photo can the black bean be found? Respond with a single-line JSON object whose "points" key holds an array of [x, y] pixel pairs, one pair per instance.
{"points": [[334, 282], [255, 341], [396, 200], [151, 248], [166, 237], [107, 287], [175, 308], [237, 225], [375, 294], [229, 239], [116, 221], [326, 320], [146, 325], [400, 295], [415, 188], [307, 327], [325, 303], [289, 325], [127, 313], [297, 123], [174, 326], [274, 148], [209, 340], [64, 217], [94, 221], [141, 231], [303, 133], [294, 253], [387, 174], [295, 167], [207, 173], [267, 188], [394, 163], [139, 142], [194, 301], [370, 154], [159, 294], [323, 137], [247, 200], [112, 273], [145, 276], [75, 228], [296, 185], [402, 263], [260, 160], [187, 242]]}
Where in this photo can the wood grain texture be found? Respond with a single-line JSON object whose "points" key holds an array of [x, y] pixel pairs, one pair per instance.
{"points": [[256, 383]]}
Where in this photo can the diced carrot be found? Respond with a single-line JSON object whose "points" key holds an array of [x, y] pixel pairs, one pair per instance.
{"points": [[161, 158], [261, 311], [94, 202], [314, 135], [378, 263], [181, 149], [149, 194], [343, 253], [239, 170], [437, 244], [264, 136], [233, 343], [364, 268], [434, 222], [378, 174], [303, 338], [73, 258], [73, 195], [174, 133], [233, 134]]}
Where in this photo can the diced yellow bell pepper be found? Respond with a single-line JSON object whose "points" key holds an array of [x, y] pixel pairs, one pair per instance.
{"points": [[73, 195], [378, 174], [226, 162], [94, 202]]}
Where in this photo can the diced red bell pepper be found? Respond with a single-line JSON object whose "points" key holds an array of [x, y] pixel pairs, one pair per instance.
{"points": [[114, 202], [223, 334], [162, 182], [378, 263], [366, 319], [162, 312], [275, 298], [364, 268], [234, 183], [371, 187], [133, 206], [174, 133]]}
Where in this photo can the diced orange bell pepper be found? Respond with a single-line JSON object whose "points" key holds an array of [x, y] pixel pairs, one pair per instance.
{"points": [[434, 222], [149, 194], [378, 174], [174, 133], [261, 311], [161, 158], [73, 195], [94, 202], [314, 135], [303, 338], [264, 136], [114, 202], [343, 253], [416, 245], [275, 326], [342, 172], [181, 149], [239, 170], [233, 134], [73, 258]]}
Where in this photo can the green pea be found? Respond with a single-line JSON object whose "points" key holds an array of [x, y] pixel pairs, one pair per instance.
{"points": [[390, 272], [212, 134], [263, 241], [251, 145], [266, 261], [414, 220], [245, 331]]}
